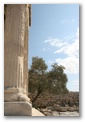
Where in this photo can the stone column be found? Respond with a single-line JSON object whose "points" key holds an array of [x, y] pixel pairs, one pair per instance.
{"points": [[16, 25]]}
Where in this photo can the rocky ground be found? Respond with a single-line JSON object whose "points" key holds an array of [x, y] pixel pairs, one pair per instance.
{"points": [[36, 112], [54, 113], [48, 112], [58, 105]]}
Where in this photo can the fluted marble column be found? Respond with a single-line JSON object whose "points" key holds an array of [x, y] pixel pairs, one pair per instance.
{"points": [[16, 27]]}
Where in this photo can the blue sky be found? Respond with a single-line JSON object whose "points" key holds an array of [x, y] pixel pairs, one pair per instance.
{"points": [[54, 36]]}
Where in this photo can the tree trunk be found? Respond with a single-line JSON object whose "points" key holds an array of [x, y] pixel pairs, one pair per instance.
{"points": [[35, 98]]}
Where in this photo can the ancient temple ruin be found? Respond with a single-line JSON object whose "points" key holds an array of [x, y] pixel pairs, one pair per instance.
{"points": [[17, 19]]}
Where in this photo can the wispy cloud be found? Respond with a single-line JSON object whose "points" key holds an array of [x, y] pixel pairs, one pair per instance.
{"points": [[55, 42], [67, 21], [71, 62], [69, 37], [70, 49], [73, 20], [64, 21], [45, 49]]}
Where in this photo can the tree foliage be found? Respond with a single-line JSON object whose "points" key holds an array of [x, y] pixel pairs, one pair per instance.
{"points": [[37, 76], [57, 79], [53, 81], [38, 65]]}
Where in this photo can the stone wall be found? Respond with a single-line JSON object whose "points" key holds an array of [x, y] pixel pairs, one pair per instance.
{"points": [[68, 102]]}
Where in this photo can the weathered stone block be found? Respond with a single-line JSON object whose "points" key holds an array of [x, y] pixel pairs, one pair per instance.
{"points": [[17, 109]]}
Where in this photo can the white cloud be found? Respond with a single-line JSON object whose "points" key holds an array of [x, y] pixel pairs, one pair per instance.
{"points": [[71, 50], [71, 64], [60, 50], [55, 42], [69, 37], [73, 85]]}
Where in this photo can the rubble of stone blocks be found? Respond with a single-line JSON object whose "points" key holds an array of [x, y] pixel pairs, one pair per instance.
{"points": [[60, 103]]}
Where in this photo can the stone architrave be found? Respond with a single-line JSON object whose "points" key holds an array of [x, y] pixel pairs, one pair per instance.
{"points": [[17, 19]]}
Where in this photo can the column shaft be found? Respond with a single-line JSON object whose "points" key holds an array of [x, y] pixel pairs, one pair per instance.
{"points": [[16, 101], [14, 46]]}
